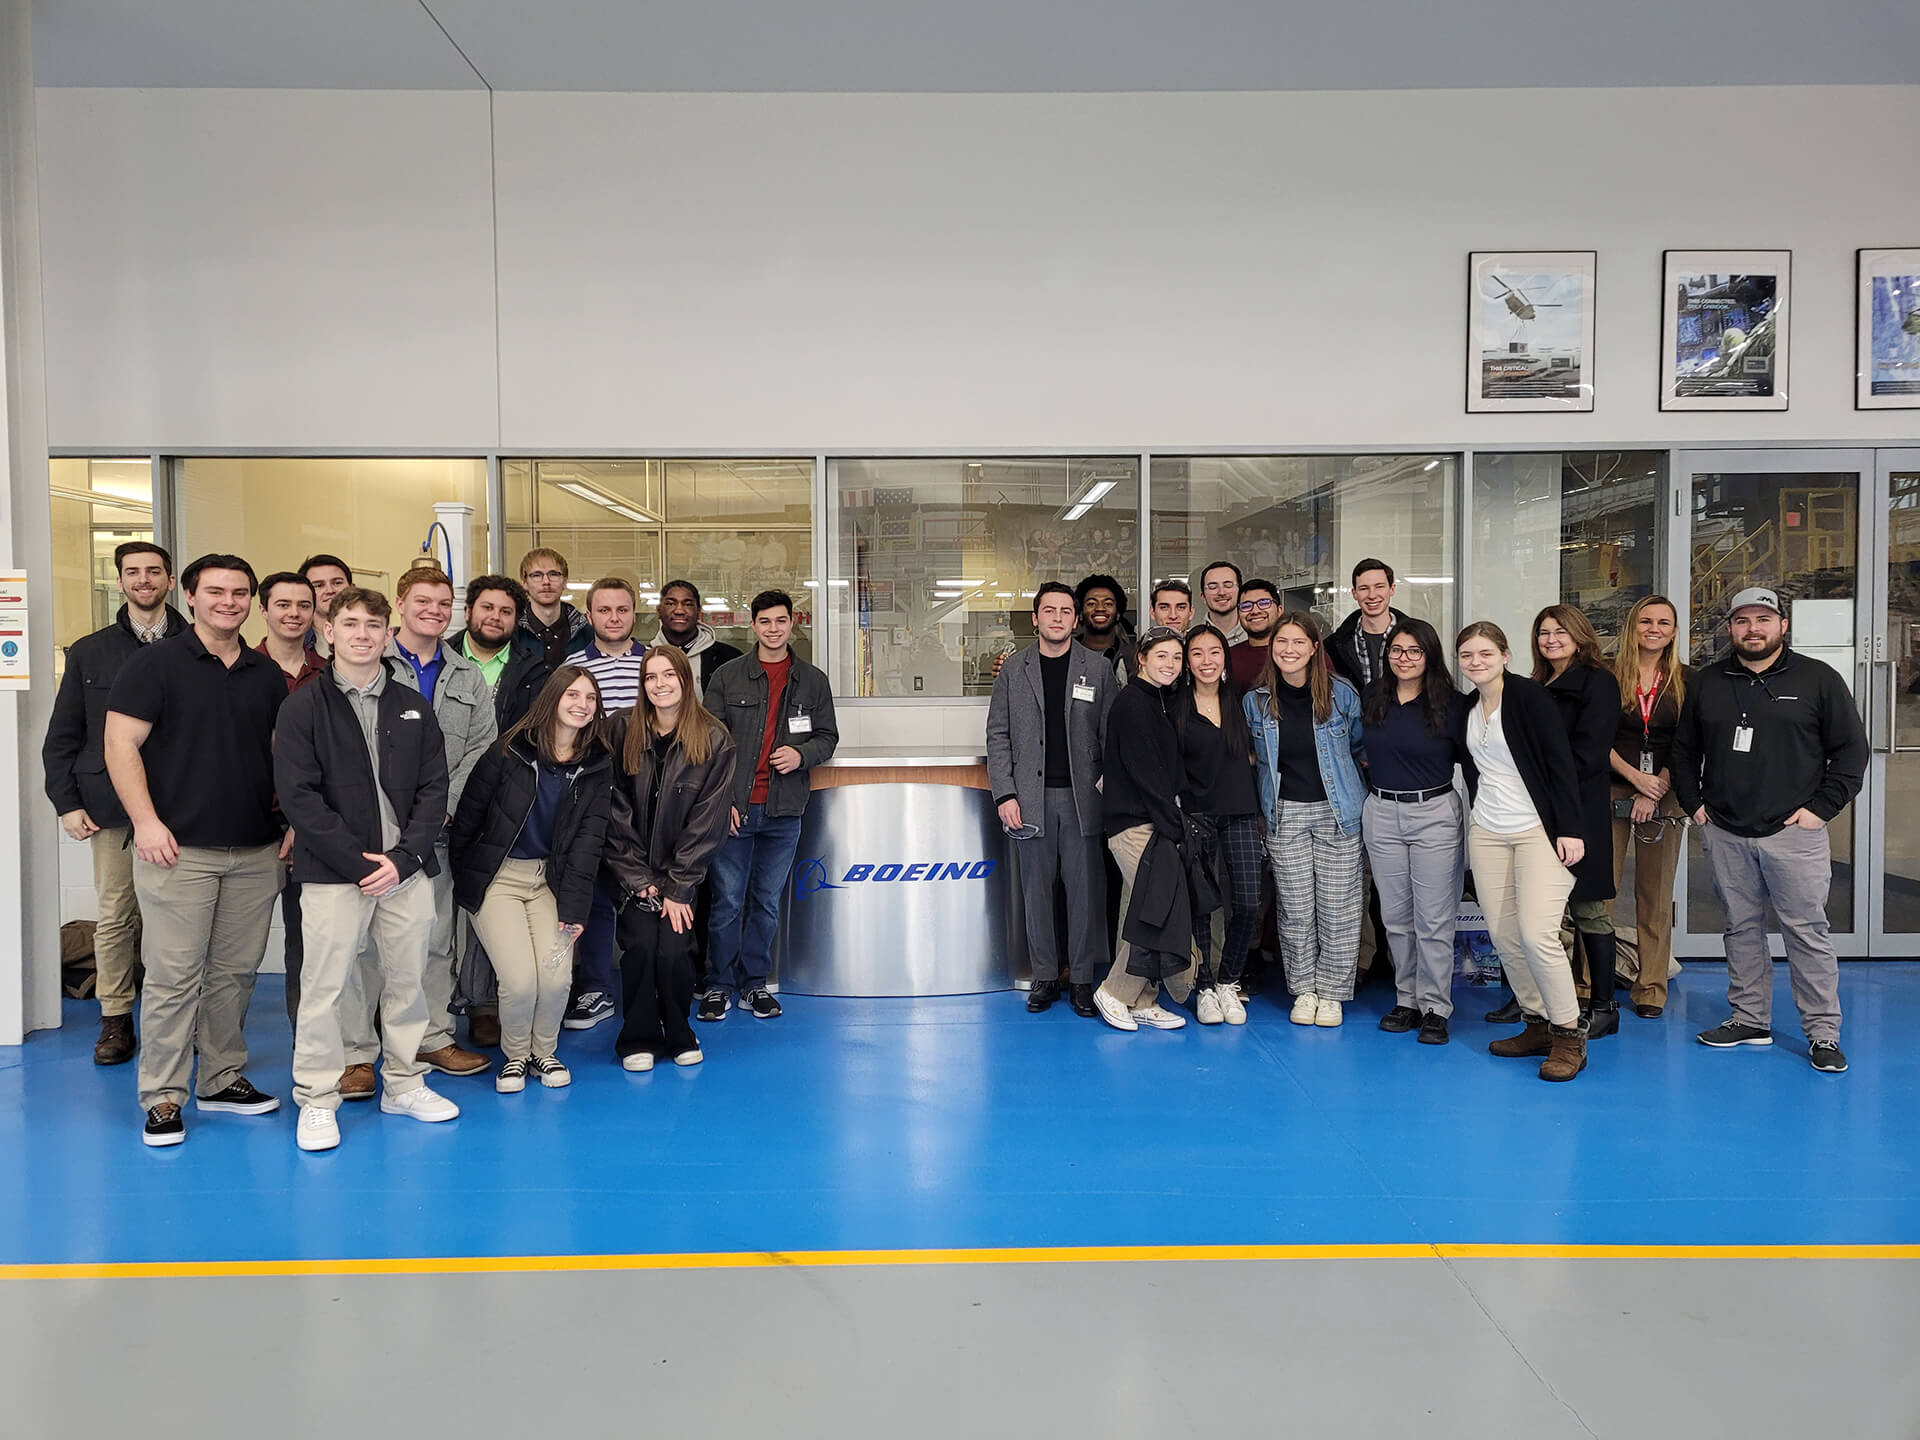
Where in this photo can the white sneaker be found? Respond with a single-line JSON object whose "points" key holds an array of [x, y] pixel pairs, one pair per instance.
{"points": [[689, 1057], [1231, 1010], [1305, 1008], [1157, 1018], [1206, 1006], [512, 1077], [637, 1063], [317, 1130], [420, 1104], [1328, 1015], [1112, 1011]]}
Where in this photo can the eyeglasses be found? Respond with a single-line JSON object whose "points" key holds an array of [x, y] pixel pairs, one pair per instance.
{"points": [[1248, 606], [546, 575], [1401, 652]]}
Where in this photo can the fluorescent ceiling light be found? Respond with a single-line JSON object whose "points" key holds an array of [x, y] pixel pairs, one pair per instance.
{"points": [[959, 582], [946, 594], [1430, 465], [1428, 579]]}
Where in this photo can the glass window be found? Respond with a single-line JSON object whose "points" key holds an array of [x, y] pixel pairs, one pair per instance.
{"points": [[936, 561], [374, 514], [97, 506], [1575, 528], [1302, 521], [732, 527]]}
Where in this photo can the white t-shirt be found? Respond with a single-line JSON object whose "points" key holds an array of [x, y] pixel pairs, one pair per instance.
{"points": [[1502, 805]]}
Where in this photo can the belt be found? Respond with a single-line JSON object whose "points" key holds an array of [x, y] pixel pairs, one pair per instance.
{"points": [[1411, 797]]}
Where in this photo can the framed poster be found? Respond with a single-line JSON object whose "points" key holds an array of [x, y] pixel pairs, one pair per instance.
{"points": [[1723, 330], [1887, 368], [1529, 330]]}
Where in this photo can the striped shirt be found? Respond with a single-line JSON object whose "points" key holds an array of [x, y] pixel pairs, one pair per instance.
{"points": [[618, 676]]}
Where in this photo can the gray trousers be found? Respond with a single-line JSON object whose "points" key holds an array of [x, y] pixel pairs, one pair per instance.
{"points": [[359, 997], [204, 922], [1418, 853], [1061, 852], [1792, 871]]}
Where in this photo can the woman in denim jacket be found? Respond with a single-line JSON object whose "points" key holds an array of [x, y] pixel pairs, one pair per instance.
{"points": [[1305, 724]]}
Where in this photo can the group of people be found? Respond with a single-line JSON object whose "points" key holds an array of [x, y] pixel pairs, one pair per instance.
{"points": [[580, 797], [1252, 759]]}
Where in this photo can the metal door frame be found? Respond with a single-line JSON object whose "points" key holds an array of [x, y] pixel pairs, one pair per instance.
{"points": [[1882, 733]]}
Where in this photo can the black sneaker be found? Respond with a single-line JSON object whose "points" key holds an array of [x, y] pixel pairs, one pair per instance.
{"points": [[1042, 995], [1400, 1019], [761, 1003], [1507, 1014], [1731, 1033], [1433, 1029], [239, 1098], [1083, 1005], [588, 1011], [1826, 1055], [714, 1005], [164, 1126]]}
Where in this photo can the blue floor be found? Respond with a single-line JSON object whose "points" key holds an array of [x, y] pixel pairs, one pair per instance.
{"points": [[965, 1122]]}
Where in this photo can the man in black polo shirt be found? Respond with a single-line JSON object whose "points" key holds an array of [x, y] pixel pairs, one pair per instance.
{"points": [[189, 746]]}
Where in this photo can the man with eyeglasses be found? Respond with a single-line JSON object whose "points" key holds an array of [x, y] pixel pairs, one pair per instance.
{"points": [[1046, 735], [1220, 593], [554, 624], [1259, 613]]}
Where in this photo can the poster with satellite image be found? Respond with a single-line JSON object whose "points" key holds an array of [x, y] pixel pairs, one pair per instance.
{"points": [[1724, 330], [1530, 330], [1888, 368]]}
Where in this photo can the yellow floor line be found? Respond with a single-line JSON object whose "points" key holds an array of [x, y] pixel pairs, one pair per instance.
{"points": [[1038, 1255]]}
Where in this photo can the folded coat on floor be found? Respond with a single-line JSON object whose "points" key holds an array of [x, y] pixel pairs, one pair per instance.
{"points": [[1159, 921]]}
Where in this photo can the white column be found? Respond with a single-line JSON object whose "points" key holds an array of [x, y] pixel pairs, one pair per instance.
{"points": [[457, 518], [29, 845]]}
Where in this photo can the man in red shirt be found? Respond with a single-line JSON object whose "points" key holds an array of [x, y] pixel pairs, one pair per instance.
{"points": [[1259, 613]]}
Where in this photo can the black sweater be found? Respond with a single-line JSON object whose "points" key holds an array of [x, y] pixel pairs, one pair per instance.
{"points": [[1589, 701], [1808, 750], [1142, 773], [495, 804], [1530, 720]]}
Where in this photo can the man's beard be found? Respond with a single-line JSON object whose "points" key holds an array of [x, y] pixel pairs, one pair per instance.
{"points": [[495, 639], [1774, 649], [1253, 634], [674, 635]]}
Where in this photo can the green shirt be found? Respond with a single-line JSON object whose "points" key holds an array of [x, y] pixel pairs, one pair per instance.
{"points": [[489, 669]]}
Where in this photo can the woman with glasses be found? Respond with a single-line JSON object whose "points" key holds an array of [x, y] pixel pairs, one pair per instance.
{"points": [[1142, 775], [1220, 802], [1646, 817], [1567, 660], [1522, 840], [1414, 721], [1307, 745]]}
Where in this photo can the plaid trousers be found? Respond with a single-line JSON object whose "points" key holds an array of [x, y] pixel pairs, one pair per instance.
{"points": [[1319, 879]]}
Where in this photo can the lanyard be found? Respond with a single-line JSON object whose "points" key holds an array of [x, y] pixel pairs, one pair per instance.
{"points": [[1648, 699]]}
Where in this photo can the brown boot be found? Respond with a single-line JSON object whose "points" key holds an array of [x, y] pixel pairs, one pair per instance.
{"points": [[115, 1045], [483, 1028], [1568, 1056], [1531, 1041], [357, 1082]]}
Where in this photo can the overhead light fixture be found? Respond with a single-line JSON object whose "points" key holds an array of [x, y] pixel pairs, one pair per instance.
{"points": [[946, 594], [1431, 465], [1090, 497]]}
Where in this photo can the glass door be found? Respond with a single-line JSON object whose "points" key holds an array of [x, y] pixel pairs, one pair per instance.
{"points": [[1800, 522], [1893, 778]]}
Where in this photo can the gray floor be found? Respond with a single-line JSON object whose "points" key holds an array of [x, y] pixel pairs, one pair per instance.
{"points": [[1312, 1348]]}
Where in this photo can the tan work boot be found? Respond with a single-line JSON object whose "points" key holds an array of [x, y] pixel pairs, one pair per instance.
{"points": [[452, 1060], [357, 1083], [1534, 1040], [1568, 1056]]}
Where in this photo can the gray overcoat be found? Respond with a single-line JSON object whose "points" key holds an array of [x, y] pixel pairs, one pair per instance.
{"points": [[1017, 733]]}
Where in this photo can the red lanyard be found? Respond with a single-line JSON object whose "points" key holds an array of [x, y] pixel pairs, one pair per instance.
{"points": [[1647, 699]]}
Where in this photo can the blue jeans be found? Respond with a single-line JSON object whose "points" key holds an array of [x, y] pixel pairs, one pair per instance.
{"points": [[595, 965], [748, 877]]}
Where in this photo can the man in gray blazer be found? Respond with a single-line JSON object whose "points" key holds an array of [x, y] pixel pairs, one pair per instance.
{"points": [[1046, 733]]}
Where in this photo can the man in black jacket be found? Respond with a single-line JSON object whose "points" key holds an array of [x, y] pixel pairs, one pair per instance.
{"points": [[1769, 751], [75, 761], [511, 661], [1358, 649], [361, 771]]}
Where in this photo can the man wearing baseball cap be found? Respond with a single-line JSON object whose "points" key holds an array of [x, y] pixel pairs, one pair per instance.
{"points": [[1769, 750]]}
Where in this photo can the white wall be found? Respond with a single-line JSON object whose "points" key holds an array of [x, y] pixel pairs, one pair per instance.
{"points": [[268, 269]]}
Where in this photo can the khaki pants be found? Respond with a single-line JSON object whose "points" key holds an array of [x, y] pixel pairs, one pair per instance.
{"points": [[1653, 867], [358, 1003], [1523, 890], [519, 925], [1134, 991], [116, 934], [204, 922], [336, 924]]}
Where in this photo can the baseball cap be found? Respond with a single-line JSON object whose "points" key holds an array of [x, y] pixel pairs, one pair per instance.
{"points": [[1757, 595]]}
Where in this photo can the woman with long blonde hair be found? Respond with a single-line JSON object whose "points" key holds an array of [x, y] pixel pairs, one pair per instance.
{"points": [[1646, 817]]}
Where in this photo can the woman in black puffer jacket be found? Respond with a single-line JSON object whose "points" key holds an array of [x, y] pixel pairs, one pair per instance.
{"points": [[525, 848]]}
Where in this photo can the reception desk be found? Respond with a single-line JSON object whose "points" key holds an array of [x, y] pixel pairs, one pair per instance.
{"points": [[904, 882]]}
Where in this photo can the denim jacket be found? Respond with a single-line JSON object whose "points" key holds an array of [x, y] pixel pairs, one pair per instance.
{"points": [[1337, 741]]}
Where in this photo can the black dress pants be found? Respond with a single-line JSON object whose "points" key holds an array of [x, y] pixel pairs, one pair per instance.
{"points": [[656, 982]]}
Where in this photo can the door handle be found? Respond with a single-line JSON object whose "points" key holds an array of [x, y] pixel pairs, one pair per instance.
{"points": [[1893, 706]]}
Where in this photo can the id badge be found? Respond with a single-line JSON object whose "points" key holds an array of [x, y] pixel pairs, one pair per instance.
{"points": [[1646, 762], [800, 725], [1083, 691], [1742, 739]]}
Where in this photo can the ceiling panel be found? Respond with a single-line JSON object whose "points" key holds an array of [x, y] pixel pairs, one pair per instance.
{"points": [[974, 45]]}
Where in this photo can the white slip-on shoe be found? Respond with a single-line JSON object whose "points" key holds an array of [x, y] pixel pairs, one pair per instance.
{"points": [[689, 1057], [1328, 1015], [1231, 1010], [420, 1104], [1305, 1008], [637, 1063], [1206, 1006], [1112, 1011], [1158, 1018], [317, 1130]]}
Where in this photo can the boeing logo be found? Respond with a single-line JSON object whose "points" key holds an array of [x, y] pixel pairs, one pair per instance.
{"points": [[810, 876]]}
